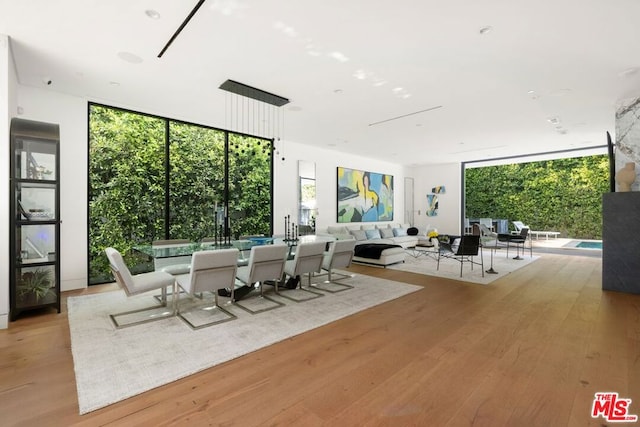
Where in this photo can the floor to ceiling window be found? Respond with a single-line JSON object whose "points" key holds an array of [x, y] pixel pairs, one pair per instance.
{"points": [[155, 178]]}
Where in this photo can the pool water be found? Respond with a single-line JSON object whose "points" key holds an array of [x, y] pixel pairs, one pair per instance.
{"points": [[589, 245]]}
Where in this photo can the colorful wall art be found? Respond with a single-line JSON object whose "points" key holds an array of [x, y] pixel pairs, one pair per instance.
{"points": [[432, 205], [364, 196], [438, 190]]}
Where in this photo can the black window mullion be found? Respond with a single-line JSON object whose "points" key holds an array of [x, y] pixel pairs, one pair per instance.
{"points": [[227, 232], [167, 180]]}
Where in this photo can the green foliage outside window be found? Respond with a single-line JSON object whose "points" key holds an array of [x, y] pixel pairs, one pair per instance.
{"points": [[250, 192], [128, 184], [562, 195]]}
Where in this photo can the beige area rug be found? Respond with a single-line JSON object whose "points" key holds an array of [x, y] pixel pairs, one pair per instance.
{"points": [[450, 269], [114, 364]]}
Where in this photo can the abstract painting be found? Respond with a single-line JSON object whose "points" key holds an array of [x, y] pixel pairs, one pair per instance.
{"points": [[438, 190], [432, 205], [364, 196]]}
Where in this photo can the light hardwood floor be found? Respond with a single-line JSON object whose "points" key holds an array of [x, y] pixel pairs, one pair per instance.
{"points": [[531, 349]]}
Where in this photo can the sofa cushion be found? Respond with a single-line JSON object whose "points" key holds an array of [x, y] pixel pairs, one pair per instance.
{"points": [[386, 233], [337, 229], [372, 234], [399, 232], [366, 227], [358, 234]]}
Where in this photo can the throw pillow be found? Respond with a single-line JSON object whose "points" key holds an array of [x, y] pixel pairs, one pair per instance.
{"points": [[340, 229], [367, 227], [399, 232], [386, 233], [412, 231], [372, 234], [358, 234]]}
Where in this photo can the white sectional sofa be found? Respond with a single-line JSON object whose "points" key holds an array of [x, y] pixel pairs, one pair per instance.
{"points": [[386, 234]]}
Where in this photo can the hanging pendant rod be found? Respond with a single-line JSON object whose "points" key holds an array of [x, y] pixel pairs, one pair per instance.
{"points": [[253, 93]]}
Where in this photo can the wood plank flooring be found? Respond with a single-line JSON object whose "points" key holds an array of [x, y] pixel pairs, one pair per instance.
{"points": [[531, 349]]}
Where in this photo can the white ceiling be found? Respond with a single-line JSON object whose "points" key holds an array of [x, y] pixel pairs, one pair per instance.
{"points": [[346, 64]]}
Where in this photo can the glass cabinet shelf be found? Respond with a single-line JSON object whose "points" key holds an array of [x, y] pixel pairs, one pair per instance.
{"points": [[35, 159], [35, 201], [35, 223]]}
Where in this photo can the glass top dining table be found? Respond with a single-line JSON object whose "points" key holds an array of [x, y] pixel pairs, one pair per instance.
{"points": [[162, 255], [187, 249]]}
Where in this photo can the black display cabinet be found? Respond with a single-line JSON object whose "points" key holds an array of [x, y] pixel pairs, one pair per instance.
{"points": [[35, 216]]}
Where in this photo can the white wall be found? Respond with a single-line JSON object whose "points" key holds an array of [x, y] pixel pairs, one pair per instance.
{"points": [[7, 103], [327, 161], [71, 114], [449, 211]]}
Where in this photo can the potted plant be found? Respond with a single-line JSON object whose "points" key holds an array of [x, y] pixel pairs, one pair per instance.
{"points": [[35, 284]]}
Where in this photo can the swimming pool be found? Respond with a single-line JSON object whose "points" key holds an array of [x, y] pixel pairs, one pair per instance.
{"points": [[589, 245]]}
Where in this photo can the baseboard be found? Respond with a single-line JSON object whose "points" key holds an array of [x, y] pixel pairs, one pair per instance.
{"points": [[4, 321]]}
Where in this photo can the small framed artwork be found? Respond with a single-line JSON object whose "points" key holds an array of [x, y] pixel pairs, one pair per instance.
{"points": [[438, 190], [432, 205]]}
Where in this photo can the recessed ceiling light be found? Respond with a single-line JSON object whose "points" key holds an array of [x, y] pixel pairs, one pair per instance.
{"points": [[561, 92], [114, 84], [339, 56], [153, 14], [553, 120], [337, 91], [360, 74], [629, 72], [485, 30]]}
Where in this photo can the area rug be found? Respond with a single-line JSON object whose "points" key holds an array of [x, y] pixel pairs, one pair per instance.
{"points": [[450, 269], [114, 364]]}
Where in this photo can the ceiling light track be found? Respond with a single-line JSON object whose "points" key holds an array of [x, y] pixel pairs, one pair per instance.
{"points": [[179, 30], [405, 115]]}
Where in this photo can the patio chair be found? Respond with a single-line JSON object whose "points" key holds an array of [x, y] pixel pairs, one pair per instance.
{"points": [[518, 225], [488, 222], [519, 240], [463, 249]]}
